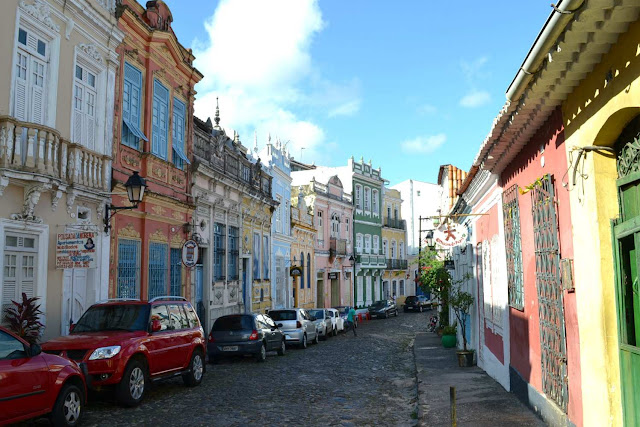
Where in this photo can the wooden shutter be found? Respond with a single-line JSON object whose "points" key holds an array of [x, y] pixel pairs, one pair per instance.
{"points": [[23, 62], [160, 120], [78, 105], [36, 83]]}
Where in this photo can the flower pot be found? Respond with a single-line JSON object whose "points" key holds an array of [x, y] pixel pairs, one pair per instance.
{"points": [[448, 341], [465, 358]]}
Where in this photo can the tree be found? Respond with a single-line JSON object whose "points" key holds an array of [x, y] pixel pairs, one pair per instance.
{"points": [[461, 302], [436, 280]]}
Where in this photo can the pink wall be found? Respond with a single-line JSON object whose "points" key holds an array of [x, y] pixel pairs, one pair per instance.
{"points": [[524, 331]]}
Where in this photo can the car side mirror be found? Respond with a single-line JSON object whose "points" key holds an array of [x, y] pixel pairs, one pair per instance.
{"points": [[156, 326], [35, 350]]}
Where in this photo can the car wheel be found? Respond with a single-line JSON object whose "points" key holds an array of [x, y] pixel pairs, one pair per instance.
{"points": [[325, 335], [335, 331], [261, 356], [396, 313], [386, 314], [304, 341], [132, 386], [67, 410], [316, 340], [196, 370], [282, 349]]}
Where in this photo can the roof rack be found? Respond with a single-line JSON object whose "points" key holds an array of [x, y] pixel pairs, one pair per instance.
{"points": [[167, 297], [117, 299]]}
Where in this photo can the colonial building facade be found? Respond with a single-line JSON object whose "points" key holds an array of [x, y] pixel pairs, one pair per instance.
{"points": [[303, 230], [395, 281], [276, 161], [333, 211], [153, 134], [56, 111]]}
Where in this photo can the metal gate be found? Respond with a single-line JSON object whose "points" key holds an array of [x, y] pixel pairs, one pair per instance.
{"points": [[550, 306]]}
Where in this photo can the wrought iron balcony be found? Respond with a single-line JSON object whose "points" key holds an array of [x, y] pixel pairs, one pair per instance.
{"points": [[28, 147], [400, 224], [396, 264]]}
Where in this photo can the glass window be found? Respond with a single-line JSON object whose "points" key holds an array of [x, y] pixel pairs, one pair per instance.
{"points": [[256, 256], [179, 156], [158, 269], [234, 253], [281, 315], [131, 107], [160, 313], [302, 268], [128, 285], [176, 272], [11, 348], [114, 317], [265, 257], [367, 199], [160, 120], [192, 316], [513, 247], [219, 251], [22, 36], [233, 323], [308, 270], [177, 317]]}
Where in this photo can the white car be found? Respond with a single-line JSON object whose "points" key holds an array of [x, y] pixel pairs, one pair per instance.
{"points": [[323, 321], [336, 320], [297, 326]]}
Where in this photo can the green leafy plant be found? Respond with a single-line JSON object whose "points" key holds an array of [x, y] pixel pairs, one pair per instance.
{"points": [[461, 302], [23, 318], [436, 280], [449, 330]]}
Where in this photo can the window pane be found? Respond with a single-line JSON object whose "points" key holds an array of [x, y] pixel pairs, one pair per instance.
{"points": [[159, 313], [78, 72], [92, 80], [11, 348], [11, 241], [41, 48], [128, 269], [22, 36], [157, 269]]}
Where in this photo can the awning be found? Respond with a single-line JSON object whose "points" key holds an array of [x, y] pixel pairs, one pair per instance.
{"points": [[179, 151], [134, 129]]}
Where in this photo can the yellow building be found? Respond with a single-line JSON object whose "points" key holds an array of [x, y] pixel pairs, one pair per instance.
{"points": [[304, 233], [395, 280]]}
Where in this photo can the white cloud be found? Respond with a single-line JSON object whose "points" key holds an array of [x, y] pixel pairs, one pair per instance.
{"points": [[347, 109], [257, 60], [423, 144], [473, 70], [427, 109], [475, 98]]}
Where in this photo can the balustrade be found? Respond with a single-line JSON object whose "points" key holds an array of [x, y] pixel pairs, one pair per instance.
{"points": [[38, 149]]}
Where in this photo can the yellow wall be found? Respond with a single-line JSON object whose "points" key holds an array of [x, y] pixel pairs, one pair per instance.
{"points": [[594, 114]]}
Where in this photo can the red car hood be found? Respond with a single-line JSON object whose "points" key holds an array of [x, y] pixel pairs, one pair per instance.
{"points": [[88, 340]]}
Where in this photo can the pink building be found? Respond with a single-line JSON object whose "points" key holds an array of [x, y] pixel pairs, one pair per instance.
{"points": [[333, 212]]}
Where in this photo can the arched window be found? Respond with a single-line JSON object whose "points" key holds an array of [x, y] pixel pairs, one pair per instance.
{"points": [[301, 270], [308, 270], [335, 225]]}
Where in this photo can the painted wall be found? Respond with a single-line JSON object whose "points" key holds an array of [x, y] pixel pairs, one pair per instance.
{"points": [[594, 114], [544, 154]]}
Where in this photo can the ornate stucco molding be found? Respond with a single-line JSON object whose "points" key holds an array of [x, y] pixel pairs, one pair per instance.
{"points": [[41, 11], [92, 51], [31, 198]]}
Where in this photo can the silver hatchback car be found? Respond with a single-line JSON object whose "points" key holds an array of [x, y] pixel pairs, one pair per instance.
{"points": [[296, 324]]}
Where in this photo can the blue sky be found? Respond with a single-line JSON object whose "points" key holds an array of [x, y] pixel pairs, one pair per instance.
{"points": [[410, 85]]}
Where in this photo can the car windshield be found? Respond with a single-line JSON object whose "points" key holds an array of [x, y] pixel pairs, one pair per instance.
{"points": [[411, 299], [282, 315], [317, 314], [379, 304], [116, 317], [233, 323]]}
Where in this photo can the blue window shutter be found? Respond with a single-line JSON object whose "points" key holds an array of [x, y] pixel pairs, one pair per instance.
{"points": [[131, 133], [179, 150], [157, 269], [160, 120]]}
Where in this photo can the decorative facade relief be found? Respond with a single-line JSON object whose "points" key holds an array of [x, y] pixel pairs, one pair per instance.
{"points": [[42, 12], [158, 235], [128, 231], [31, 198], [92, 51]]}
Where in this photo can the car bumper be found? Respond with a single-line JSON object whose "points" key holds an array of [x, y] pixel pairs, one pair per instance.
{"points": [[293, 336], [377, 314], [233, 348], [104, 372]]}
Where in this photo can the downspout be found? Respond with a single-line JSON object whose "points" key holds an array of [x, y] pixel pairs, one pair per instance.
{"points": [[562, 14]]}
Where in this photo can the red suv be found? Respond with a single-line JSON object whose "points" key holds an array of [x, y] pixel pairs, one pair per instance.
{"points": [[126, 343], [33, 384]]}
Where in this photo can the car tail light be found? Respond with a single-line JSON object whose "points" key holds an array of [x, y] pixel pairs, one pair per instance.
{"points": [[253, 336], [298, 324], [211, 338]]}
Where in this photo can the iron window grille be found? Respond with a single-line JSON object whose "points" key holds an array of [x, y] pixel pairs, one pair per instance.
{"points": [[157, 269], [513, 247], [128, 277], [175, 255], [234, 253]]}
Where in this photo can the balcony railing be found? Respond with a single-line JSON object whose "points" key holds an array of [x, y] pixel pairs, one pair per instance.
{"points": [[337, 247], [396, 264], [371, 260], [400, 224], [39, 149]]}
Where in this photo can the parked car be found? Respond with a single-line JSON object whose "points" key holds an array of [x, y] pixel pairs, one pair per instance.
{"points": [[296, 324], [383, 308], [33, 384], [336, 321], [323, 322], [344, 312], [244, 334], [416, 303], [126, 343]]}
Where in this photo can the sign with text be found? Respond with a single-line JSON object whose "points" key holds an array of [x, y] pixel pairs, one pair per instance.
{"points": [[450, 234], [76, 250], [190, 253], [333, 275]]}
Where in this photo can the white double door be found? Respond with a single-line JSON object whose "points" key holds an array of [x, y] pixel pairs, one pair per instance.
{"points": [[78, 294]]}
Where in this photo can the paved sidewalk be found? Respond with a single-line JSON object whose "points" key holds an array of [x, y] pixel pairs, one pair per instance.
{"points": [[481, 401]]}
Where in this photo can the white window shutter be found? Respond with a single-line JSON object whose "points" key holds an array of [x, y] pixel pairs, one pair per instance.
{"points": [[36, 83], [91, 132], [20, 89], [78, 102]]}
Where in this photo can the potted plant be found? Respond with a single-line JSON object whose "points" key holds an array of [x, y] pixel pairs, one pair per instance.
{"points": [[435, 279], [449, 336], [23, 318], [461, 302]]}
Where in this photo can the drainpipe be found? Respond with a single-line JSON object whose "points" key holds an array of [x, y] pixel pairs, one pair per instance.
{"points": [[559, 18]]}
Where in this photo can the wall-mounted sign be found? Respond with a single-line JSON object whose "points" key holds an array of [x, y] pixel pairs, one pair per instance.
{"points": [[333, 275], [190, 253], [76, 250], [295, 271], [450, 234]]}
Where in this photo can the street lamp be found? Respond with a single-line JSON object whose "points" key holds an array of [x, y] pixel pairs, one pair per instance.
{"points": [[135, 186], [429, 239]]}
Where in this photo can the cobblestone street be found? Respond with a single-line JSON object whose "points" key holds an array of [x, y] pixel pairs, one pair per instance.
{"points": [[346, 380]]}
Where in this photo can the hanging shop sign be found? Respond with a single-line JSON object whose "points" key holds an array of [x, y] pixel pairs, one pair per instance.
{"points": [[295, 271], [190, 253], [333, 275], [450, 234], [76, 250]]}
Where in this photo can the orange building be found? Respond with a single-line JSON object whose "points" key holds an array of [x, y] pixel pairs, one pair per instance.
{"points": [[153, 135]]}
